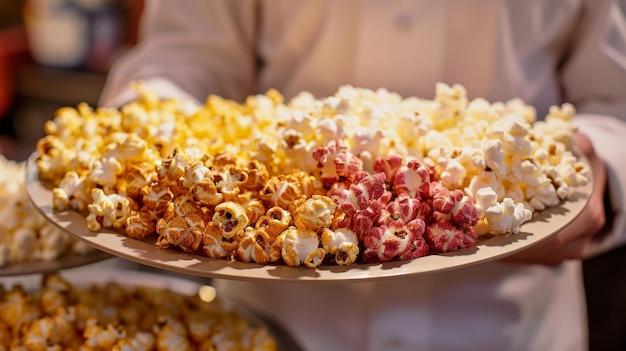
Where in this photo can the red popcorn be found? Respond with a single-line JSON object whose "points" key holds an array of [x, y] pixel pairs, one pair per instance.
{"points": [[359, 195], [412, 179], [325, 158], [445, 236], [364, 220], [389, 165], [406, 209], [453, 205], [443, 199], [347, 164], [395, 240], [465, 213]]}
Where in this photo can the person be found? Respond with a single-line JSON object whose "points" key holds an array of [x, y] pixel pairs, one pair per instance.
{"points": [[543, 51]]}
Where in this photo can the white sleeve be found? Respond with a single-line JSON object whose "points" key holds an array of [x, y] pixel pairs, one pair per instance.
{"points": [[594, 79], [189, 48]]}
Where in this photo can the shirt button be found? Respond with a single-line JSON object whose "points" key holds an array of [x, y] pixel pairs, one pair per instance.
{"points": [[403, 22]]}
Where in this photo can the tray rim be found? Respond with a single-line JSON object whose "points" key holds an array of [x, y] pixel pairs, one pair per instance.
{"points": [[540, 228]]}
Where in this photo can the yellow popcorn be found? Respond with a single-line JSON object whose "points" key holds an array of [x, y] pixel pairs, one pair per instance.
{"points": [[255, 246], [281, 191], [231, 219], [26, 234], [274, 221]]}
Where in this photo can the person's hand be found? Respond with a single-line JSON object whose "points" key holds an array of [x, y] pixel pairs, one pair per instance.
{"points": [[573, 241]]}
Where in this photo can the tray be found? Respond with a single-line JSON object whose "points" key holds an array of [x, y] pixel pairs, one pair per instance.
{"points": [[544, 225], [64, 262]]}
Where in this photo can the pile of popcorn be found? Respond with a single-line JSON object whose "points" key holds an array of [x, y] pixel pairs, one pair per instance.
{"points": [[64, 316], [25, 235], [359, 176]]}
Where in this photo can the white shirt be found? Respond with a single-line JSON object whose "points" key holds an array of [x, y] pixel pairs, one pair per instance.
{"points": [[543, 51]]}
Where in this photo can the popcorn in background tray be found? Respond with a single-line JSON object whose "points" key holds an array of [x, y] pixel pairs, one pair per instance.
{"points": [[64, 316], [363, 173], [26, 236]]}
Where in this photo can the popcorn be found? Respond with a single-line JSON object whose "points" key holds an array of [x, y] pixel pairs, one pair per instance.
{"points": [[395, 240], [313, 213], [139, 177], [184, 232], [280, 191], [301, 246], [255, 246], [26, 234], [342, 243], [252, 205], [230, 181], [139, 225], [256, 175], [106, 171], [107, 210], [402, 175], [230, 218], [64, 316], [412, 179], [445, 236], [274, 222], [215, 245], [499, 217]]}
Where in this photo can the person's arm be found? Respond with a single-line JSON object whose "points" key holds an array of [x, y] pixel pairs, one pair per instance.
{"points": [[189, 49], [594, 80]]}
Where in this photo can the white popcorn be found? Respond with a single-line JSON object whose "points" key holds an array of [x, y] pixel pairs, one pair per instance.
{"points": [[23, 244], [494, 156], [484, 179], [451, 171], [105, 171], [542, 195], [452, 101], [499, 217], [71, 193], [107, 210], [52, 243]]}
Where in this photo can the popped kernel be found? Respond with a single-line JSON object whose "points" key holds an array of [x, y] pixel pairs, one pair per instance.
{"points": [[342, 244], [274, 221], [231, 219], [184, 232], [301, 246], [376, 157], [255, 246], [280, 191]]}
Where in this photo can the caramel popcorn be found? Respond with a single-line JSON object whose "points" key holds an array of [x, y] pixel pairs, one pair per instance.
{"points": [[360, 176], [109, 316]]}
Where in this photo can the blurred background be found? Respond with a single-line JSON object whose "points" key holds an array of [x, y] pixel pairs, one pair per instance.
{"points": [[55, 53]]}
